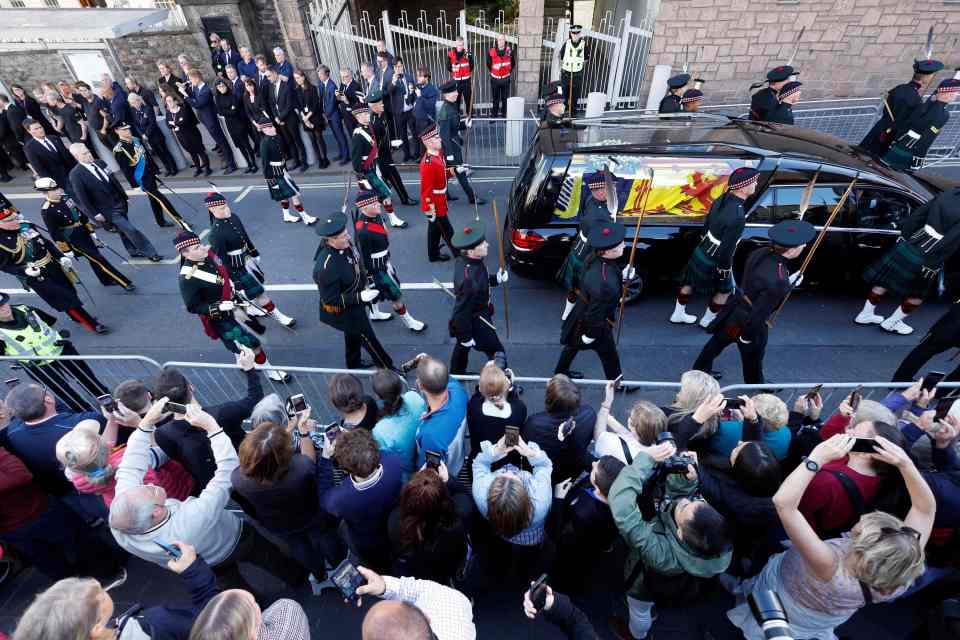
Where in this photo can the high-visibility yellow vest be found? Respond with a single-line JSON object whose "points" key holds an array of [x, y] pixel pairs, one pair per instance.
{"points": [[573, 56], [36, 339]]}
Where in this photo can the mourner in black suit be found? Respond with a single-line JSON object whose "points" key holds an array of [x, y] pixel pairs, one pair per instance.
{"points": [[310, 110], [100, 196], [47, 155], [283, 107]]}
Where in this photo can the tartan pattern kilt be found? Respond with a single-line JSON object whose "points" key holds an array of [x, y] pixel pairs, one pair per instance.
{"points": [[282, 187], [388, 284], [571, 271], [232, 333], [899, 271], [377, 184], [702, 276], [248, 284]]}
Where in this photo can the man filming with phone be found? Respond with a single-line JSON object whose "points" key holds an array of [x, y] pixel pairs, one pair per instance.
{"points": [[144, 519], [681, 542]]}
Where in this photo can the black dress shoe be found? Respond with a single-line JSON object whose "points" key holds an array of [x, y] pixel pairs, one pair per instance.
{"points": [[101, 329], [170, 174], [130, 287], [575, 375], [164, 223], [198, 172], [345, 162], [409, 202], [229, 170], [324, 163], [6, 177], [207, 171], [440, 257], [304, 167]]}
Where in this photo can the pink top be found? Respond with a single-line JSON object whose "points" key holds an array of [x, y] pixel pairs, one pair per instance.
{"points": [[174, 479]]}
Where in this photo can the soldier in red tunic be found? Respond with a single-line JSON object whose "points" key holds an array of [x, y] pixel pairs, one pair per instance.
{"points": [[433, 194]]}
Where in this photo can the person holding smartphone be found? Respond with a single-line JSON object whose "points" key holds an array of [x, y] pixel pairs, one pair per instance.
{"points": [[494, 405]]}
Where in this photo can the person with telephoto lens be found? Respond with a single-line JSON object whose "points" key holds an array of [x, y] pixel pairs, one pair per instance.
{"points": [[676, 540]]}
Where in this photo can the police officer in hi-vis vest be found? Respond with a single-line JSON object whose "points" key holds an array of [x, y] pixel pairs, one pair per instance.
{"points": [[572, 59]]}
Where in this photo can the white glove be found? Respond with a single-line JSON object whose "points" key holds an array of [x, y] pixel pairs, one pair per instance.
{"points": [[469, 343], [32, 272], [69, 254], [468, 122], [587, 340], [369, 295], [450, 158], [795, 279], [465, 169], [96, 240], [227, 305], [502, 276], [66, 262], [629, 272], [396, 144], [432, 216]]}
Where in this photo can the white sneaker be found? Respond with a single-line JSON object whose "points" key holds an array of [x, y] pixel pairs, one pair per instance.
{"points": [[307, 218], [707, 318], [567, 308], [868, 315], [680, 315], [278, 375], [376, 315], [283, 318], [895, 325], [396, 221], [290, 217], [412, 323]]}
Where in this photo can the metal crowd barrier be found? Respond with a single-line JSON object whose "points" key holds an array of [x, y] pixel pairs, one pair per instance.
{"points": [[497, 142]]}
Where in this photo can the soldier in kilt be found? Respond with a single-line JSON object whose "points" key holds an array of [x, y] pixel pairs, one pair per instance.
{"points": [[374, 247], [363, 155], [206, 291], [282, 187], [231, 243], [928, 238], [912, 138], [593, 211], [710, 268]]}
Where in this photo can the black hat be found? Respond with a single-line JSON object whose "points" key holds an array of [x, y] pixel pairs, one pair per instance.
{"points": [[374, 96], [606, 235], [359, 108], [185, 239], [679, 80], [555, 98], [789, 89], [691, 95], [4, 298], [596, 180], [781, 73], [121, 125], [332, 225], [468, 237], [366, 197], [927, 67], [576, 28], [792, 233], [950, 85], [742, 177], [430, 131], [449, 86], [214, 199]]}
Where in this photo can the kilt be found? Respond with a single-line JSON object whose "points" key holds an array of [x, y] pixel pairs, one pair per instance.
{"points": [[900, 271], [248, 283], [572, 269], [388, 284], [899, 157], [282, 187], [377, 184], [232, 333], [702, 276]]}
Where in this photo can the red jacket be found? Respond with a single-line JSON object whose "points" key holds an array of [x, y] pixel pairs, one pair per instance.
{"points": [[21, 499], [433, 184], [459, 64], [500, 65]]}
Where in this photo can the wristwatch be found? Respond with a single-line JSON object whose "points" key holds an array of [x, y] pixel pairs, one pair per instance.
{"points": [[811, 465]]}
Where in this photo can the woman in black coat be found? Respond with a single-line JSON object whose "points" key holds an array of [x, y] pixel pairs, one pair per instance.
{"points": [[310, 108], [32, 109], [229, 106], [254, 104], [183, 122]]}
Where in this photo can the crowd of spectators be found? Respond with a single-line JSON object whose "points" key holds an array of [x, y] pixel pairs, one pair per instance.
{"points": [[433, 493]]}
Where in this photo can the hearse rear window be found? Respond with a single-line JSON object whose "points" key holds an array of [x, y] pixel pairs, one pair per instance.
{"points": [[682, 187]]}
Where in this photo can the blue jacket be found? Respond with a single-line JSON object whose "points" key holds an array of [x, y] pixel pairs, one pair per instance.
{"points": [[174, 622], [438, 428], [285, 69], [400, 95], [119, 107], [145, 120], [201, 99], [248, 69], [330, 109], [425, 108]]}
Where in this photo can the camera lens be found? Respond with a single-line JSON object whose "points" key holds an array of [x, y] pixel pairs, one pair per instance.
{"points": [[769, 613]]}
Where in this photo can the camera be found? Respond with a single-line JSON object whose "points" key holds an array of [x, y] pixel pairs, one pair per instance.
{"points": [[769, 613], [677, 463]]}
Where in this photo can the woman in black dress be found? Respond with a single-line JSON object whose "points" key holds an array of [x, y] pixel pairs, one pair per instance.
{"points": [[310, 108], [255, 106], [232, 110], [183, 122]]}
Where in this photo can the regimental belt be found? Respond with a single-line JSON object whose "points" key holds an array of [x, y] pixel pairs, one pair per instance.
{"points": [[331, 308]]}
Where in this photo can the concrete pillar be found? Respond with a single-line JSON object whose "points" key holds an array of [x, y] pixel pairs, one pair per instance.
{"points": [[658, 86], [530, 44], [596, 103], [513, 146]]}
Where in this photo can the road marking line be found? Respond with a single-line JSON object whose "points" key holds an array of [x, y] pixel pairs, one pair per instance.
{"points": [[243, 194], [407, 286]]}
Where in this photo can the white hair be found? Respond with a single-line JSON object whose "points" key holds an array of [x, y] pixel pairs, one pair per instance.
{"points": [[77, 149], [278, 50], [132, 511], [270, 409], [134, 99]]}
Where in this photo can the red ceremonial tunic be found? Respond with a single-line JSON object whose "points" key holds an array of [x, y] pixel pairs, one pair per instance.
{"points": [[433, 184]]}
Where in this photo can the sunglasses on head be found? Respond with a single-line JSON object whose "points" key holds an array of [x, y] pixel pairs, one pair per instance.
{"points": [[887, 532]]}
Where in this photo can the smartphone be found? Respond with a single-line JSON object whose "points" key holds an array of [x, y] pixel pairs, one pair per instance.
{"points": [[814, 391], [433, 460], [538, 592], [331, 433], [864, 445], [511, 436], [347, 579], [175, 407], [943, 408], [733, 403], [107, 402], [932, 379], [12, 382], [296, 404], [169, 549], [566, 428], [855, 397]]}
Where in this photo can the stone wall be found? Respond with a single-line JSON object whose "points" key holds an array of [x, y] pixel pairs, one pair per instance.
{"points": [[139, 54], [850, 48], [30, 68]]}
